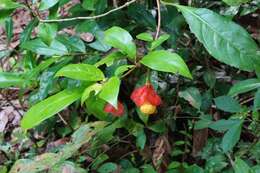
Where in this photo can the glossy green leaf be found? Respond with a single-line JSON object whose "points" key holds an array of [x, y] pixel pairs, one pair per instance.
{"points": [[227, 104], [159, 41], [89, 5], [235, 2], [11, 79], [46, 4], [39, 47], [110, 91], [100, 43], [244, 86], [241, 166], [95, 87], [83, 72], [47, 32], [121, 39], [95, 106], [73, 43], [120, 70], [109, 59], [223, 39], [166, 61], [192, 95], [107, 168], [9, 4], [231, 137], [49, 107], [145, 37]]}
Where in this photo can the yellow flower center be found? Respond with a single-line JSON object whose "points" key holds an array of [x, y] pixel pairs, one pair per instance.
{"points": [[148, 108]]}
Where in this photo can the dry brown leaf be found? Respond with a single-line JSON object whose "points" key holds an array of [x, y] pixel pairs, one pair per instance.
{"points": [[200, 138]]}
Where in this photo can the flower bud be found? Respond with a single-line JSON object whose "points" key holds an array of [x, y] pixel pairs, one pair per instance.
{"points": [[112, 110]]}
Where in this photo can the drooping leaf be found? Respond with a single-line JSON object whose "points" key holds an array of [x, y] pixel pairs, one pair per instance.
{"points": [[9, 4], [159, 41], [166, 61], [120, 70], [83, 72], [121, 39], [46, 4], [231, 137], [39, 47], [244, 86], [110, 91], [73, 43], [49, 107], [8, 79], [227, 104], [192, 95], [109, 59], [9, 29], [223, 39], [145, 36]]}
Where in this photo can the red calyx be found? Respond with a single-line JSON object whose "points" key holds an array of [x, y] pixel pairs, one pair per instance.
{"points": [[116, 112], [146, 94]]}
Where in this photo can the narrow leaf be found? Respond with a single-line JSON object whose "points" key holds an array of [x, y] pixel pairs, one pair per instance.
{"points": [[244, 86], [11, 79], [49, 107]]}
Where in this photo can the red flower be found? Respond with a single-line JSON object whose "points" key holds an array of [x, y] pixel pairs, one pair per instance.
{"points": [[116, 112], [146, 98]]}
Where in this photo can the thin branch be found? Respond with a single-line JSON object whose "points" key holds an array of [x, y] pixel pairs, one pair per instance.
{"points": [[158, 20], [89, 17]]}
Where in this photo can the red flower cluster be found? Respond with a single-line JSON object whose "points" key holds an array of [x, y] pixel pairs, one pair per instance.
{"points": [[144, 97], [116, 112]]}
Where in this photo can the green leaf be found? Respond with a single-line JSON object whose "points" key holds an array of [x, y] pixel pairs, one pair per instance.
{"points": [[209, 78], [231, 137], [235, 2], [257, 100], [223, 125], [204, 122], [107, 168], [4, 53], [165, 61], [121, 39], [223, 39], [120, 70], [73, 43], [110, 91], [100, 44], [39, 47], [49, 107], [244, 86], [95, 87], [140, 138], [148, 169], [83, 72], [46, 4], [8, 4], [95, 106], [26, 34], [47, 32], [89, 5], [145, 37], [192, 95], [9, 29], [227, 104], [241, 166], [11, 79], [109, 59], [159, 41]]}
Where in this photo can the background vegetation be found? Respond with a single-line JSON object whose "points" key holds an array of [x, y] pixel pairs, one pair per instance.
{"points": [[62, 62]]}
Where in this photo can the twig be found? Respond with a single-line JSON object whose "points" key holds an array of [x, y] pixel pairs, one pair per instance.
{"points": [[158, 20], [231, 160], [65, 122], [89, 17]]}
